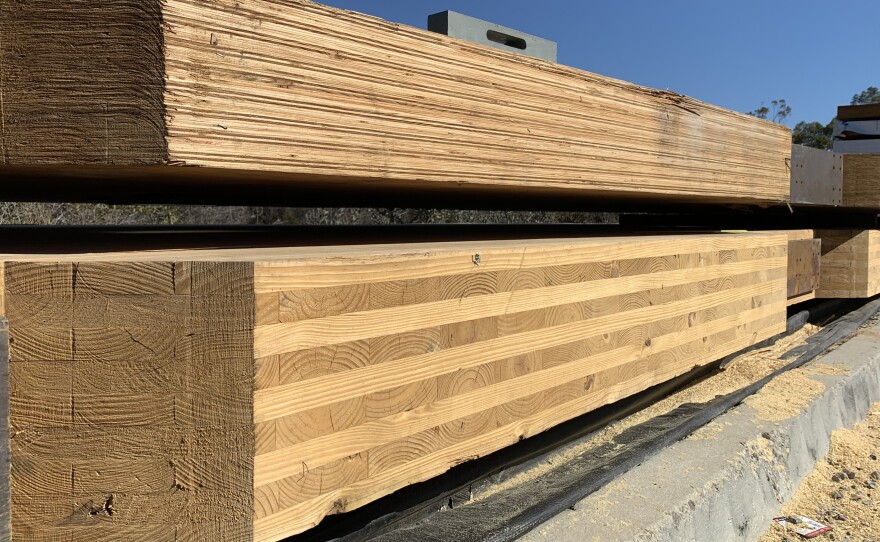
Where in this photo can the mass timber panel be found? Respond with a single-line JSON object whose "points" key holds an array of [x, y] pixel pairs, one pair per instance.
{"points": [[131, 399], [249, 393], [380, 369], [804, 265], [858, 112], [293, 93], [850, 263], [861, 180]]}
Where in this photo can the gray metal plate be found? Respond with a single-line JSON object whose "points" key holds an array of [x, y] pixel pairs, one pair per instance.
{"points": [[816, 177], [456, 25], [857, 146]]}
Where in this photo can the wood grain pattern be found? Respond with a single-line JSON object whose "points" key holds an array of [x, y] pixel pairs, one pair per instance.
{"points": [[356, 324], [292, 92], [304, 516], [248, 393], [131, 400], [287, 461], [5, 452], [409, 362], [341, 266], [270, 404], [850, 264], [861, 180], [804, 265]]}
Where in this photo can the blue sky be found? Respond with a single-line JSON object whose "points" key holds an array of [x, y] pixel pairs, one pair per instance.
{"points": [[737, 54]]}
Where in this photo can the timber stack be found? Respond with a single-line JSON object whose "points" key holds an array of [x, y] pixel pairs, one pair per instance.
{"points": [[247, 392], [255, 391], [294, 97], [857, 129], [851, 257], [857, 137]]}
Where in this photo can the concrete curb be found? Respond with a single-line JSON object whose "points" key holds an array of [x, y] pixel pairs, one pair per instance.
{"points": [[730, 479]]}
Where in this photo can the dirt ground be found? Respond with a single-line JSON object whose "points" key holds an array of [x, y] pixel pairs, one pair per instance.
{"points": [[854, 516], [842, 491]]}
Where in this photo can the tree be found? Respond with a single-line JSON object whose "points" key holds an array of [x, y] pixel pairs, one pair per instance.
{"points": [[777, 112], [871, 95], [814, 134]]}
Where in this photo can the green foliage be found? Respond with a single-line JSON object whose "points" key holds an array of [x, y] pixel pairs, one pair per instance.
{"points": [[814, 134], [778, 111], [871, 95], [761, 112]]}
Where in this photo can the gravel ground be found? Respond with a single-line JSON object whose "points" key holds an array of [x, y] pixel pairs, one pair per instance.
{"points": [[842, 492]]}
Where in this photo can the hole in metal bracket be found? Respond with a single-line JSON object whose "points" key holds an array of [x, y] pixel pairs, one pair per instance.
{"points": [[507, 39]]}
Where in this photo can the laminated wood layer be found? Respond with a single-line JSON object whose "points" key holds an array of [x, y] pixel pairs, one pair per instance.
{"points": [[292, 93], [861, 180], [850, 263], [376, 372], [249, 393], [804, 264]]}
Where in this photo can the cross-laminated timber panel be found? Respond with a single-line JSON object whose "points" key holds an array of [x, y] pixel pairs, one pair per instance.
{"points": [[247, 394], [850, 266], [861, 180], [804, 265], [297, 98]]}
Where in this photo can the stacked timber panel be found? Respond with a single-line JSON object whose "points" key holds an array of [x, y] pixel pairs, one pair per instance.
{"points": [[804, 265], [850, 263], [247, 394], [299, 95], [857, 135], [857, 129], [375, 372], [861, 180]]}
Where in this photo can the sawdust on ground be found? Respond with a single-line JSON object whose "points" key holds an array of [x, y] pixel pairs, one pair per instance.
{"points": [[850, 506], [742, 371], [788, 394]]}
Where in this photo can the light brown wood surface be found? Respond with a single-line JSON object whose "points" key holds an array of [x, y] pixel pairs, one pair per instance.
{"points": [[247, 394], [131, 399], [378, 371], [850, 263], [292, 92], [861, 180], [804, 265]]}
